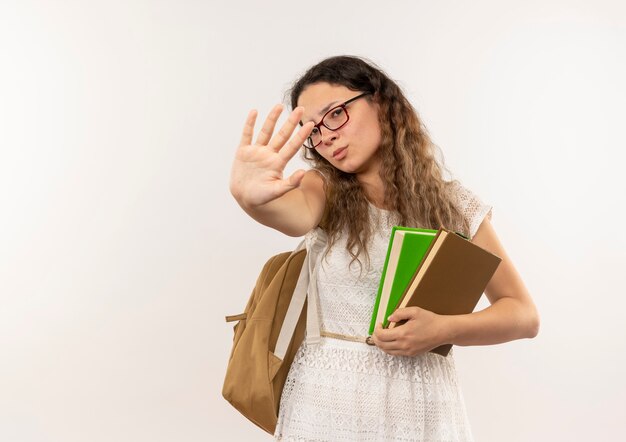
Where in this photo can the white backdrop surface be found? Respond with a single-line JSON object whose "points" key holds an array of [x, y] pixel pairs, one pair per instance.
{"points": [[121, 249]]}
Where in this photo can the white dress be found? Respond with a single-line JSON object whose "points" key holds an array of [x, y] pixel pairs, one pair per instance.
{"points": [[340, 390]]}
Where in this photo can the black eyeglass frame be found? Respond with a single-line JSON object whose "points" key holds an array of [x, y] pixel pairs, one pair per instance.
{"points": [[319, 125]]}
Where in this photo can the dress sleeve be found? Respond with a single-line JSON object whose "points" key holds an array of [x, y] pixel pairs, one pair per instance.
{"points": [[472, 207]]}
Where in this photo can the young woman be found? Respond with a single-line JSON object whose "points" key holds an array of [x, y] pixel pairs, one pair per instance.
{"points": [[373, 166]]}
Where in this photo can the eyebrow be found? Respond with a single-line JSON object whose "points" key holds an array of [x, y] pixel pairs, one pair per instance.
{"points": [[324, 110], [327, 108]]}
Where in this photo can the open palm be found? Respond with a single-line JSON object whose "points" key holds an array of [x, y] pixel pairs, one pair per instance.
{"points": [[257, 171]]}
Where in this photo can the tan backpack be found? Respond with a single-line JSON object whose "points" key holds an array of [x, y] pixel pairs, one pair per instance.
{"points": [[269, 333]]}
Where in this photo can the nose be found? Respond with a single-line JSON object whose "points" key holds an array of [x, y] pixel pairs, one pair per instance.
{"points": [[328, 136]]}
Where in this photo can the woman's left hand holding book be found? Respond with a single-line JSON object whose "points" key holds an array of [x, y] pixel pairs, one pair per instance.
{"points": [[422, 331]]}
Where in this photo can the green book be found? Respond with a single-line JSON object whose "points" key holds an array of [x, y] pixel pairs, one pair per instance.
{"points": [[406, 250]]}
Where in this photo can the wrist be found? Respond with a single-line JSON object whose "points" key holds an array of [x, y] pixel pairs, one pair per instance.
{"points": [[451, 329], [243, 200]]}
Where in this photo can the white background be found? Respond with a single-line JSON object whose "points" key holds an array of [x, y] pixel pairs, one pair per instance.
{"points": [[121, 249]]}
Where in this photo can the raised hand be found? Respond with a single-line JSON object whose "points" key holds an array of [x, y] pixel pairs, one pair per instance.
{"points": [[256, 176]]}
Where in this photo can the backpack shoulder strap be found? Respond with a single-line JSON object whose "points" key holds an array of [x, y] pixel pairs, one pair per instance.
{"points": [[305, 287]]}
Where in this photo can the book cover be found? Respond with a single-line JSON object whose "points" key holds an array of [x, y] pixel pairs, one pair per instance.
{"points": [[451, 278], [407, 247]]}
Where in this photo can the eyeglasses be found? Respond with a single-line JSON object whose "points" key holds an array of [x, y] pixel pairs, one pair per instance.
{"points": [[333, 120]]}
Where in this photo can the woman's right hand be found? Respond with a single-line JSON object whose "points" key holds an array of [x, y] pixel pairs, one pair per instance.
{"points": [[256, 176]]}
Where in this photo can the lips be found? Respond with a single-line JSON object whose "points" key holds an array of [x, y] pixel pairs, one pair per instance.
{"points": [[337, 153]]}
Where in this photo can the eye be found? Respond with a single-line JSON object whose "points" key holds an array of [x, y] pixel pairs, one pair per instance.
{"points": [[314, 132], [337, 112]]}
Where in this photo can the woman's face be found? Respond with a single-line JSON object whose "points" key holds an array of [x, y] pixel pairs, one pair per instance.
{"points": [[353, 147]]}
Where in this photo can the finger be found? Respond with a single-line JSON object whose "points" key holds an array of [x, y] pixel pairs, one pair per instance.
{"points": [[286, 130], [296, 142], [268, 127], [290, 183], [383, 335], [386, 336], [402, 313], [296, 178], [394, 349], [398, 352], [248, 128], [391, 347]]}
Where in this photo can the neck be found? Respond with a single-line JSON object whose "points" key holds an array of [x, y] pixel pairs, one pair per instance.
{"points": [[373, 188]]}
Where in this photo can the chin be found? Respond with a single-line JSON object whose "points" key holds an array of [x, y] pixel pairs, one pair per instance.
{"points": [[345, 165], [346, 169]]}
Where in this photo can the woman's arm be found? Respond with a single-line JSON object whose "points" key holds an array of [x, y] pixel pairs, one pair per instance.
{"points": [[292, 205], [294, 213], [511, 315]]}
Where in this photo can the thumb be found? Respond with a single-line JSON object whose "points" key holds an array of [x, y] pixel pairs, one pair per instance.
{"points": [[296, 178]]}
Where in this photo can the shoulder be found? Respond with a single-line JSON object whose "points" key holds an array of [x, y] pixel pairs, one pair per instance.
{"points": [[315, 176], [461, 194], [471, 206], [313, 188], [313, 182]]}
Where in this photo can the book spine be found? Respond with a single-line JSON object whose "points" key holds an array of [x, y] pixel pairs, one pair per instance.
{"points": [[382, 279], [387, 323]]}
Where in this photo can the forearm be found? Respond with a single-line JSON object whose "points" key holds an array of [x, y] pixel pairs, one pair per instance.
{"points": [[275, 214], [288, 214], [505, 320], [293, 212]]}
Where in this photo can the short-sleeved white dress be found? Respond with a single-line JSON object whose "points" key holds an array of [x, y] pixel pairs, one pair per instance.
{"points": [[340, 390]]}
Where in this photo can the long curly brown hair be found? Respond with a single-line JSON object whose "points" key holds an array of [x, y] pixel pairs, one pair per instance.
{"points": [[413, 177]]}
